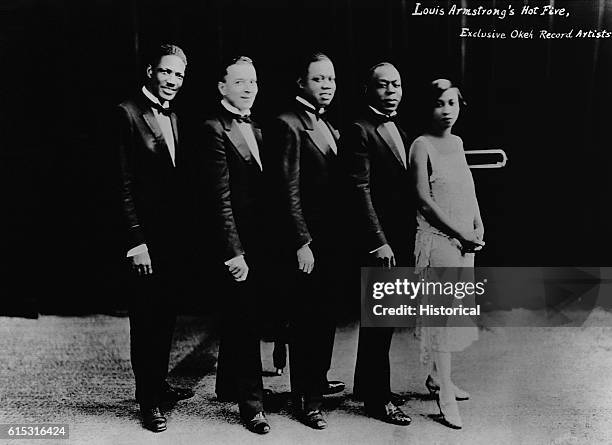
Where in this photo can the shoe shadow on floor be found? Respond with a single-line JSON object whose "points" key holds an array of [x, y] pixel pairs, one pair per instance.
{"points": [[417, 396], [336, 401], [406, 396], [439, 418], [212, 409], [276, 402], [199, 360], [126, 409], [281, 402], [197, 364]]}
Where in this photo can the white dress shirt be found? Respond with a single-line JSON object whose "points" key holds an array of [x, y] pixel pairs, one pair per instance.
{"points": [[246, 130], [395, 135], [164, 122]]}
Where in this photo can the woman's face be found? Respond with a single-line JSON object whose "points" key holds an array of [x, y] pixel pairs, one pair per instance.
{"points": [[446, 109]]}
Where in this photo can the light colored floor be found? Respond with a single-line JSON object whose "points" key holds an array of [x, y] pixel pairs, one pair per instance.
{"points": [[529, 386]]}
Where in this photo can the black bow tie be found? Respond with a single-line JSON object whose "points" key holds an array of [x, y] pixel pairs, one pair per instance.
{"points": [[319, 114], [246, 119], [387, 118], [162, 110]]}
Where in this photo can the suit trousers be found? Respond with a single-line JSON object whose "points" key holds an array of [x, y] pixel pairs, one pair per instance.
{"points": [[152, 320], [372, 370], [372, 381], [239, 361], [312, 326]]}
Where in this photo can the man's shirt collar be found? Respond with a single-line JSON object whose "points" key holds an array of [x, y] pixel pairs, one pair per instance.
{"points": [[232, 109], [381, 113], [153, 98], [307, 104]]}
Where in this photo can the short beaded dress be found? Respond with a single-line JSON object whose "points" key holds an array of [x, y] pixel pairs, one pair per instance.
{"points": [[452, 188]]}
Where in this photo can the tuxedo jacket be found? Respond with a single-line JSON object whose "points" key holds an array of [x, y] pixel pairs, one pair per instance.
{"points": [[237, 185], [309, 182], [151, 186], [383, 188]]}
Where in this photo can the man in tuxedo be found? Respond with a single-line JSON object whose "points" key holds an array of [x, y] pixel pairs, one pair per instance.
{"points": [[304, 146], [376, 157], [147, 136], [232, 142]]}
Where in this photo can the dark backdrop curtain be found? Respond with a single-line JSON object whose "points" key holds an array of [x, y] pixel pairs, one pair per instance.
{"points": [[66, 63]]}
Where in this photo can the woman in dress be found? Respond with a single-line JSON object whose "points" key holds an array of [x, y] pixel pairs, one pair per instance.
{"points": [[449, 231]]}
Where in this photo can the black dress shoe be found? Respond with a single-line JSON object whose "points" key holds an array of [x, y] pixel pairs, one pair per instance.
{"points": [[388, 413], [434, 389], [173, 394], [334, 387], [314, 419], [152, 419], [258, 424]]}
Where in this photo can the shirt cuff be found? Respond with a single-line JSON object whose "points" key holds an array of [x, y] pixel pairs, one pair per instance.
{"points": [[141, 248], [305, 244]]}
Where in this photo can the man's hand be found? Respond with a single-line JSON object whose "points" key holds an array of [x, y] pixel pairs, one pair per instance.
{"points": [[385, 256], [238, 268], [305, 259], [141, 264]]}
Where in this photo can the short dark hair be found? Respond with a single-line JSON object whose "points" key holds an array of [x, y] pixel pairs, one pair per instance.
{"points": [[305, 63], [234, 60], [370, 73], [165, 49], [427, 98], [436, 88]]}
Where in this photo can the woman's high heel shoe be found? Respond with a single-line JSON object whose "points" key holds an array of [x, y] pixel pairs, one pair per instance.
{"points": [[449, 410], [434, 388], [460, 394]]}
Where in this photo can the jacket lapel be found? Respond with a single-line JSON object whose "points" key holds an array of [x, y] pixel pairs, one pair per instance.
{"points": [[314, 133], [235, 136], [335, 133], [149, 118], [160, 143], [386, 136]]}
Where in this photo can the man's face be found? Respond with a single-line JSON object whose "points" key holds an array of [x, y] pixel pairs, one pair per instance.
{"points": [[386, 89], [166, 78], [240, 86], [319, 86]]}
